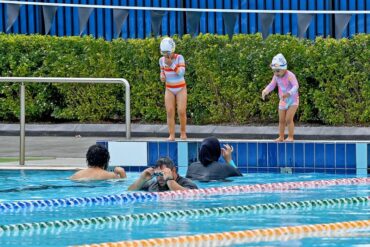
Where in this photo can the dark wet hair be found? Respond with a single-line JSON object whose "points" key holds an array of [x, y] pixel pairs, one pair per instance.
{"points": [[210, 151], [165, 161], [97, 156]]}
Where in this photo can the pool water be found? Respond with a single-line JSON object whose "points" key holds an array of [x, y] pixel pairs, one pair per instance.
{"points": [[35, 185]]}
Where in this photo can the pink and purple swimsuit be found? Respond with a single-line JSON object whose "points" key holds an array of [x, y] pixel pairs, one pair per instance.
{"points": [[286, 84]]}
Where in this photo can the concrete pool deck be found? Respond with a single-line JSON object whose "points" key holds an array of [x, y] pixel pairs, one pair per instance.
{"points": [[63, 146], [194, 131]]}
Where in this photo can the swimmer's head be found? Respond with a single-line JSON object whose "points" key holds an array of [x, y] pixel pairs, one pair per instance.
{"points": [[167, 46], [279, 62], [97, 156]]}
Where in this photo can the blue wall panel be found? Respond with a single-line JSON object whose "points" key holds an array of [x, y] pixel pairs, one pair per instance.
{"points": [[219, 20], [277, 26], [242, 152], [287, 18], [299, 155], [367, 17], [252, 155], [172, 18], [281, 155], [236, 5], [108, 22], [165, 31], [211, 24], [243, 23], [323, 157], [148, 23], [132, 18], [312, 28], [253, 18], [340, 156], [272, 155], [138, 23], [75, 22], [289, 155], [68, 18], [309, 155]]}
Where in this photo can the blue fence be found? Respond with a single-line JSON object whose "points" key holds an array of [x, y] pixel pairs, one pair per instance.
{"points": [[138, 23]]}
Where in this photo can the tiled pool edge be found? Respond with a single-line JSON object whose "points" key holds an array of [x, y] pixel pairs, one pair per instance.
{"points": [[339, 157]]}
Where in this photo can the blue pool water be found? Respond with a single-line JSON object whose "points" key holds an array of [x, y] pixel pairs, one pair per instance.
{"points": [[33, 185]]}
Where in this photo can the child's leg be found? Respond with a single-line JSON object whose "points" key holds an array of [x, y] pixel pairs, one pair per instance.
{"points": [[181, 100], [170, 102], [282, 117], [290, 121]]}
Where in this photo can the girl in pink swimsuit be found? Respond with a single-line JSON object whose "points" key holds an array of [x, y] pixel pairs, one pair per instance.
{"points": [[288, 93], [172, 73]]}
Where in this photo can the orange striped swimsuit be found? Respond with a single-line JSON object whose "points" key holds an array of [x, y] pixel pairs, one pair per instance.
{"points": [[174, 74]]}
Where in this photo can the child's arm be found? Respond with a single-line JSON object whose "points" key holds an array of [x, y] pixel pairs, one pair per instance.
{"points": [[271, 86], [292, 79], [180, 67], [162, 75]]}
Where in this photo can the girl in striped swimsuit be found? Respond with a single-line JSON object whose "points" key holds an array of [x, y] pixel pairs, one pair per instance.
{"points": [[172, 73], [288, 93]]}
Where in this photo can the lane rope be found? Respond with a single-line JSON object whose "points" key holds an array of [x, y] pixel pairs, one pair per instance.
{"points": [[149, 218], [171, 195], [249, 236]]}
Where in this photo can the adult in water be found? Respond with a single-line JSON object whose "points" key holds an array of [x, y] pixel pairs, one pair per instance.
{"points": [[172, 67], [97, 158], [208, 168], [162, 177]]}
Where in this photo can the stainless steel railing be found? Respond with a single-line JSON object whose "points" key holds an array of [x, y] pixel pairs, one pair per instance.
{"points": [[22, 119]]}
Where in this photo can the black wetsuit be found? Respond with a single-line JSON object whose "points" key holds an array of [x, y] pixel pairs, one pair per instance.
{"points": [[213, 171], [153, 185]]}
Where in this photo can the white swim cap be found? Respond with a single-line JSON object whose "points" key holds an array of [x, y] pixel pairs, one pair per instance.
{"points": [[279, 62], [167, 45]]}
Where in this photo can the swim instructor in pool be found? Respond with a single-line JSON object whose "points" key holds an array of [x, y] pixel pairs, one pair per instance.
{"points": [[97, 158], [208, 168], [162, 177]]}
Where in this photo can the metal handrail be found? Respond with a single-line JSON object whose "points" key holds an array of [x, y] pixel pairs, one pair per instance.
{"points": [[22, 80]]}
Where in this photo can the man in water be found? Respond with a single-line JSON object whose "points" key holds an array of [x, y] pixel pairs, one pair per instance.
{"points": [[97, 158], [162, 177]]}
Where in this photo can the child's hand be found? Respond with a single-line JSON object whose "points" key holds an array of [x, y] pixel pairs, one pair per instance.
{"points": [[285, 95], [163, 78], [168, 61], [264, 93]]}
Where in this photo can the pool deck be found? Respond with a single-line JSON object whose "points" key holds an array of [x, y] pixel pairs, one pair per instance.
{"points": [[194, 131], [63, 146]]}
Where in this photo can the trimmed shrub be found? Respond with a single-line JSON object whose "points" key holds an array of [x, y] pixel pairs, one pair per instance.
{"points": [[224, 78]]}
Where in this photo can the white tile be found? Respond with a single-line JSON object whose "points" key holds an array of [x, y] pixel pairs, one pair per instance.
{"points": [[128, 153], [361, 158]]}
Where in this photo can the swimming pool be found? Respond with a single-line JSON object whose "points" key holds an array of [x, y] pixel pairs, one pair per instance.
{"points": [[221, 207]]}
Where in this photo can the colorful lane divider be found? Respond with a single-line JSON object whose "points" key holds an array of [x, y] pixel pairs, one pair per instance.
{"points": [[170, 195], [176, 214], [249, 236]]}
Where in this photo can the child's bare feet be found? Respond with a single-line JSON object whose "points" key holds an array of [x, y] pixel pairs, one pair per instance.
{"points": [[183, 136], [171, 138], [289, 139], [279, 139]]}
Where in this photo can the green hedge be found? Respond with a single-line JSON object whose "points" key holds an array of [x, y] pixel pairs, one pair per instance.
{"points": [[224, 77]]}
